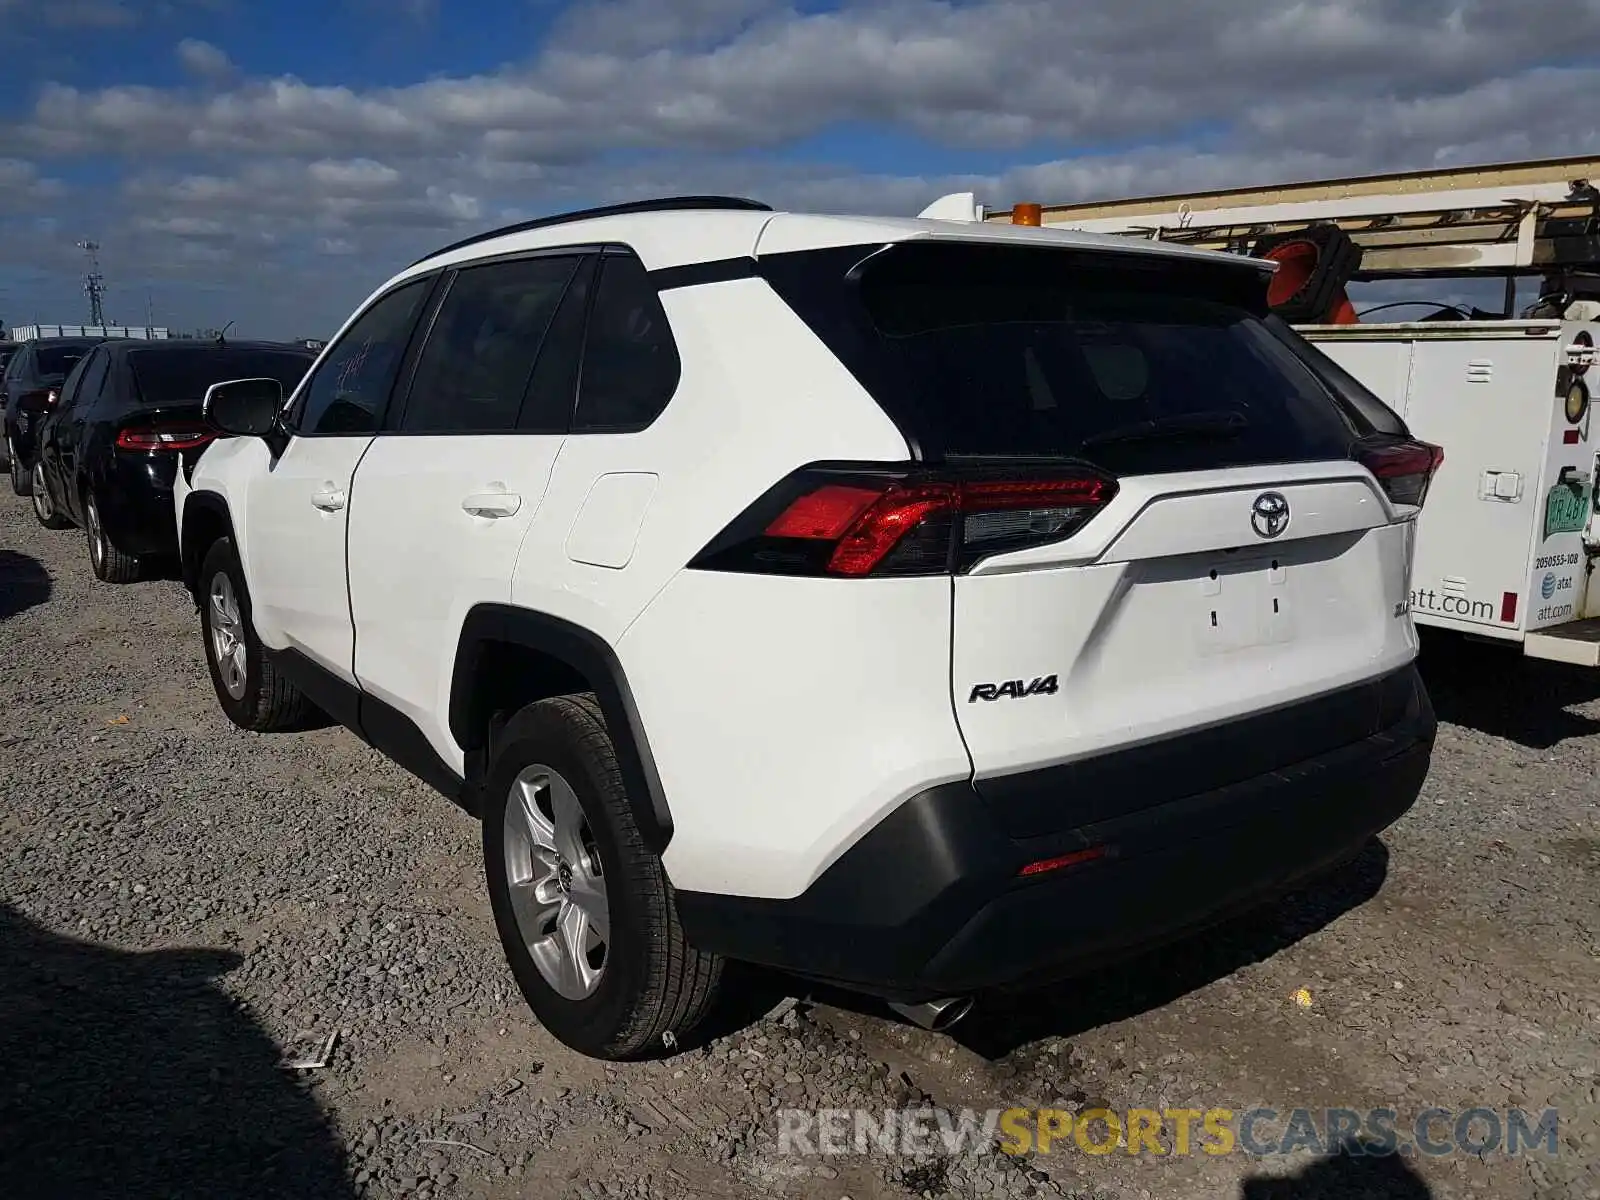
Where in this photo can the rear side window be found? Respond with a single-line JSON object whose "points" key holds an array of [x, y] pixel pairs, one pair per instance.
{"points": [[72, 386], [630, 363], [92, 378], [1125, 360], [171, 376], [475, 368]]}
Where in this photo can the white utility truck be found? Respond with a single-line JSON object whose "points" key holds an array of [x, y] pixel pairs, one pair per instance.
{"points": [[1508, 542]]}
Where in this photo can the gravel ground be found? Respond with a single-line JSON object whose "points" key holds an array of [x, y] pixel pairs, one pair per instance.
{"points": [[186, 910]]}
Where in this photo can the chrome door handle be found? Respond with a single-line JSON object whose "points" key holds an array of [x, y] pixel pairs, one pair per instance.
{"points": [[328, 499], [492, 504]]}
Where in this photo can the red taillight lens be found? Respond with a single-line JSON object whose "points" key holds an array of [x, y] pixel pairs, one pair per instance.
{"points": [[826, 513], [897, 525], [1404, 469], [1062, 861], [164, 437]]}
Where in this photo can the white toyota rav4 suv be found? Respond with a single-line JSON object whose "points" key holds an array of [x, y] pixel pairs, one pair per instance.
{"points": [[921, 607]]}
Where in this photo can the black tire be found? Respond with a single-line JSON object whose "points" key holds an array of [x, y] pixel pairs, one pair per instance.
{"points": [[21, 481], [44, 508], [653, 982], [110, 564], [267, 702]]}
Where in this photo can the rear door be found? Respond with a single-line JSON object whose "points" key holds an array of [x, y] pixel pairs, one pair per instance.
{"points": [[1241, 558], [461, 471], [78, 395]]}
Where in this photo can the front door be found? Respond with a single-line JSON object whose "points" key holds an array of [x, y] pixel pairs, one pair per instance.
{"points": [[297, 507]]}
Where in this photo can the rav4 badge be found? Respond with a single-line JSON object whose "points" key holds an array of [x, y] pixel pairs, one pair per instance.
{"points": [[1014, 689]]}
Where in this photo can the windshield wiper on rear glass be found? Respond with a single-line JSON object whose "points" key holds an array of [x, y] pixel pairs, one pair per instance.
{"points": [[1189, 425]]}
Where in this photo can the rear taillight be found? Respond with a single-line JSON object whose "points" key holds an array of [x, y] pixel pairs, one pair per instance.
{"points": [[164, 437], [1403, 467], [856, 523]]}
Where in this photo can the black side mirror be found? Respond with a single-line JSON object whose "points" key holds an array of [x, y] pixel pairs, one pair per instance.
{"points": [[244, 407]]}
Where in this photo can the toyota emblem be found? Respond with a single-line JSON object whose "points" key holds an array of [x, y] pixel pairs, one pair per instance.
{"points": [[1269, 515]]}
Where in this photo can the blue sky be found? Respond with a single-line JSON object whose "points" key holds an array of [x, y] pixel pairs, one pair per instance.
{"points": [[270, 163]]}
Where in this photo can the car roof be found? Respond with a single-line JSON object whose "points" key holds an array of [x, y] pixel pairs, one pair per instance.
{"points": [[124, 346], [57, 343], [676, 235]]}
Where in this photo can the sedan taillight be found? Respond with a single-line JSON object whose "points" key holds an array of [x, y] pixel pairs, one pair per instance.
{"points": [[164, 437]]}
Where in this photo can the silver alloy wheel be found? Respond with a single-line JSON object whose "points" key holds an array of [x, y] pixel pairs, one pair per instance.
{"points": [[91, 516], [227, 635], [554, 876], [41, 495]]}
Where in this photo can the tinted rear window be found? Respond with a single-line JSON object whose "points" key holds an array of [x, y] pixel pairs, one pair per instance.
{"points": [[1002, 351], [56, 361], [165, 376]]}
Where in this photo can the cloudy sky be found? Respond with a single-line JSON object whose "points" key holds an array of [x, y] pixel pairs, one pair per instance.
{"points": [[270, 162]]}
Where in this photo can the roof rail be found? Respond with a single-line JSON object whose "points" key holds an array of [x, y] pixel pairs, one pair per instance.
{"points": [[664, 204]]}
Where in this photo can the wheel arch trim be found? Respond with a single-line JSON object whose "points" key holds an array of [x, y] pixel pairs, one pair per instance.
{"points": [[197, 502], [596, 660]]}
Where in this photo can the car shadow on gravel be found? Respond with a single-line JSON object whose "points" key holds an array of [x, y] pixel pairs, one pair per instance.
{"points": [[1343, 1177], [24, 583], [1001, 1025], [132, 1074], [1496, 691]]}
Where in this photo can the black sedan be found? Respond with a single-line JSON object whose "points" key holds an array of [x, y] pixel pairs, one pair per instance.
{"points": [[33, 379], [109, 448]]}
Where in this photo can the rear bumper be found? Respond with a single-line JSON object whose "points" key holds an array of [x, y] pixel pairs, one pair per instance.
{"points": [[930, 903]]}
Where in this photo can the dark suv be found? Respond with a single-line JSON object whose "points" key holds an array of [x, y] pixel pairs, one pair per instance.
{"points": [[31, 387]]}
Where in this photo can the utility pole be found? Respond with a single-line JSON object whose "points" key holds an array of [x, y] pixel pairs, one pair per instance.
{"points": [[94, 284]]}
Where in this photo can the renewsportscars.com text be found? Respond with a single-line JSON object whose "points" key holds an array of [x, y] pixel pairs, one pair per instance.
{"points": [[1175, 1132]]}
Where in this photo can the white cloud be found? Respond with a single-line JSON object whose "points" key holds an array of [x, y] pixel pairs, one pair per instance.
{"points": [[629, 75], [356, 174], [204, 60]]}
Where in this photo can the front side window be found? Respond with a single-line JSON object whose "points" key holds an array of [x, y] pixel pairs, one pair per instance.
{"points": [[350, 390], [473, 373]]}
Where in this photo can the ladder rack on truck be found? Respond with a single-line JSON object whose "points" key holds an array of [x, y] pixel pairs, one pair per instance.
{"points": [[1508, 543]]}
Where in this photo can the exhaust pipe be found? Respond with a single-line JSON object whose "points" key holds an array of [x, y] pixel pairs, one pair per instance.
{"points": [[935, 1016]]}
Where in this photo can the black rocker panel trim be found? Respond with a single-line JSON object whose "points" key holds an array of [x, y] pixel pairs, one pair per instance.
{"points": [[380, 725], [591, 657]]}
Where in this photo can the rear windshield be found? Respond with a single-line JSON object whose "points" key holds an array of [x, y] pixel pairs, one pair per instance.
{"points": [[1124, 360], [55, 362], [169, 375]]}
